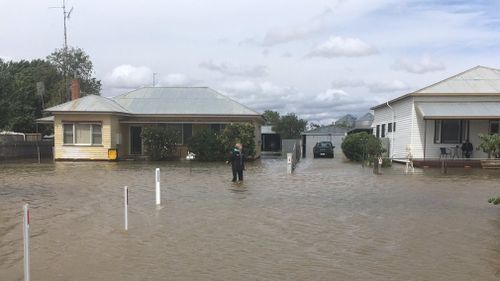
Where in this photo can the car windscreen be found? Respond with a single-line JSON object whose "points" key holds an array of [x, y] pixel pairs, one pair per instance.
{"points": [[325, 144]]}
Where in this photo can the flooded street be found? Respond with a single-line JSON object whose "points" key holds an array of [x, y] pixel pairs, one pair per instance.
{"points": [[328, 221]]}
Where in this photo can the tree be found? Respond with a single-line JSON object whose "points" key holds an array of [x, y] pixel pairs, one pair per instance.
{"points": [[207, 146], [272, 117], [74, 62], [362, 146], [243, 133], [490, 144], [20, 102], [160, 141], [290, 126]]}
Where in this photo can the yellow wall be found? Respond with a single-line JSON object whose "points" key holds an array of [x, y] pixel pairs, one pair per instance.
{"points": [[111, 128], [97, 152]]}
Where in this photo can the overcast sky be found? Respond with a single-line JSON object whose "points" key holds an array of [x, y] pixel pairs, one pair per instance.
{"points": [[320, 59]]}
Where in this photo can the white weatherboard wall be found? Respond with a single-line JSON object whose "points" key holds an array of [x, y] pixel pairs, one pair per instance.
{"points": [[476, 127], [404, 117]]}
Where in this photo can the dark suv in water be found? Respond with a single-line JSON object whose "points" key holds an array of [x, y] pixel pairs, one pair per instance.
{"points": [[323, 149]]}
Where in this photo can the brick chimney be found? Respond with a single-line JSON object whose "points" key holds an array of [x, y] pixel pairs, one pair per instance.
{"points": [[75, 89]]}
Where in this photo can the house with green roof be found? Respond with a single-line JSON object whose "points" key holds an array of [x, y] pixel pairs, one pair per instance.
{"points": [[88, 128]]}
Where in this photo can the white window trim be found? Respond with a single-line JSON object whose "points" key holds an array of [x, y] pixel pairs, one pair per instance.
{"points": [[73, 124]]}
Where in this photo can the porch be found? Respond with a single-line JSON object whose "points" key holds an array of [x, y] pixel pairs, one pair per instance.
{"points": [[448, 127]]}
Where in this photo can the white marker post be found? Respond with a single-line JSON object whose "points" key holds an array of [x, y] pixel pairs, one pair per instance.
{"points": [[157, 185], [289, 163], [26, 234], [125, 195]]}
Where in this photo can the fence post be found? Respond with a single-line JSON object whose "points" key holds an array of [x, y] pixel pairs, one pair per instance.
{"points": [[289, 163], [125, 196], [157, 186], [26, 235]]}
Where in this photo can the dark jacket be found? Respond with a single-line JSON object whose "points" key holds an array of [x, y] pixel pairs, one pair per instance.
{"points": [[237, 160]]}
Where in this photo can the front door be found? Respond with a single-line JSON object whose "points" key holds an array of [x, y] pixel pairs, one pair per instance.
{"points": [[135, 140]]}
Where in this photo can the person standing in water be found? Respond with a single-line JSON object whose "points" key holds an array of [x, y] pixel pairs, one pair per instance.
{"points": [[237, 160]]}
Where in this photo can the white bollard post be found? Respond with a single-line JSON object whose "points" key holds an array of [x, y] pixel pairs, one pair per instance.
{"points": [[26, 234], [289, 163], [157, 185], [125, 195]]}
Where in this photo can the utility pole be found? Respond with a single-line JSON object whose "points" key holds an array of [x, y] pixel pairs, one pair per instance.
{"points": [[154, 78], [66, 16]]}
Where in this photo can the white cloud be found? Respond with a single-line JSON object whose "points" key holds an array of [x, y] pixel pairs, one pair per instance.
{"points": [[387, 86], [126, 76], [235, 70], [177, 79], [423, 65], [343, 47], [374, 87]]}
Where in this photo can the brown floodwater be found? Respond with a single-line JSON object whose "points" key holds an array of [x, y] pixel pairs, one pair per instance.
{"points": [[330, 220]]}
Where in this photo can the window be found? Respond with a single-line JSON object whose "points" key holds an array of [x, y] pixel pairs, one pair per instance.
{"points": [[389, 127], [178, 129], [451, 131], [394, 127], [187, 132], [68, 133], [82, 133], [378, 131], [217, 128], [494, 126], [383, 131], [96, 134]]}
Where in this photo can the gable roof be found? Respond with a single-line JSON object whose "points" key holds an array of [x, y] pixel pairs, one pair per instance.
{"points": [[367, 117], [160, 101], [479, 80], [90, 103], [180, 101]]}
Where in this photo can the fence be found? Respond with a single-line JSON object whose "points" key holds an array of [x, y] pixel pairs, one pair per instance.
{"points": [[26, 150]]}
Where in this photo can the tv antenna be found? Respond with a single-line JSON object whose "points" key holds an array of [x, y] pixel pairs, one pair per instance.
{"points": [[66, 16], [154, 78]]}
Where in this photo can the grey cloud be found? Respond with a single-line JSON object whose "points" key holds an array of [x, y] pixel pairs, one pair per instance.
{"points": [[423, 65], [235, 70], [288, 34], [326, 105]]}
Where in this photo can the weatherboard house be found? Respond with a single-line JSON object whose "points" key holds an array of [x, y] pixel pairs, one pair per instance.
{"points": [[87, 128], [435, 121]]}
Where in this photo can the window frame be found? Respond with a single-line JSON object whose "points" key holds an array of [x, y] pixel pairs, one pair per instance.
{"points": [[463, 131], [73, 124]]}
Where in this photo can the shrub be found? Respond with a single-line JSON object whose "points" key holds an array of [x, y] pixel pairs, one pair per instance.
{"points": [[160, 141], [362, 146], [490, 144], [239, 132], [207, 146]]}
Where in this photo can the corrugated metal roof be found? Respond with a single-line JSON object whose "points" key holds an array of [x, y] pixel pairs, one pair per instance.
{"points": [[45, 120], [160, 101], [475, 81], [479, 79], [327, 130], [181, 100], [91, 103], [456, 110]]}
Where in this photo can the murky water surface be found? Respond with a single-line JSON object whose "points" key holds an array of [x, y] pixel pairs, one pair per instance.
{"points": [[329, 221]]}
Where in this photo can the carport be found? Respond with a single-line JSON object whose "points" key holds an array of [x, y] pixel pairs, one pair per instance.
{"points": [[327, 133]]}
